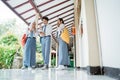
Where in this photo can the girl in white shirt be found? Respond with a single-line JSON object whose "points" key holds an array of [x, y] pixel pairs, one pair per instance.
{"points": [[62, 47], [29, 57]]}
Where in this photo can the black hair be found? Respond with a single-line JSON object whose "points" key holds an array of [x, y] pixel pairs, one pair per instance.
{"points": [[61, 19], [45, 17]]}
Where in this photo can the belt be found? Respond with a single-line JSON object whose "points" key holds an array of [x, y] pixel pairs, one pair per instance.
{"points": [[47, 36], [32, 37]]}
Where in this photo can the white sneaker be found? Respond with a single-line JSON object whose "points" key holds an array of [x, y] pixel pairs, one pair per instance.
{"points": [[24, 67], [61, 67], [29, 68]]}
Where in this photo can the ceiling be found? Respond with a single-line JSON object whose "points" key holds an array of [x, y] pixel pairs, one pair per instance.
{"points": [[54, 9]]}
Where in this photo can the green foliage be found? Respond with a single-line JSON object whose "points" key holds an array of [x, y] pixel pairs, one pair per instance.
{"points": [[9, 40], [53, 61], [9, 43], [38, 47], [40, 62], [6, 57], [8, 47]]}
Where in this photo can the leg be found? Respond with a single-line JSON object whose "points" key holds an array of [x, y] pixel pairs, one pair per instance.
{"points": [[43, 48], [47, 49], [26, 53], [63, 53], [47, 52], [33, 53], [29, 52]]}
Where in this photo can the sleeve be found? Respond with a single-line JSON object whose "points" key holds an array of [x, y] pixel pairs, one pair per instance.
{"points": [[62, 27], [50, 30]]}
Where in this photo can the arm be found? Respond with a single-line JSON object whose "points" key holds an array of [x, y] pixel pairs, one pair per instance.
{"points": [[36, 19], [41, 32], [54, 38], [34, 24]]}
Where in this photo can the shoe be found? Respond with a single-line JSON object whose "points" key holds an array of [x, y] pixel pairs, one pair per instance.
{"points": [[30, 68], [33, 67], [40, 65], [24, 67], [61, 67], [44, 67]]}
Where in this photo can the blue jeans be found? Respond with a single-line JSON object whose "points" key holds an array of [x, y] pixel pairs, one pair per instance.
{"points": [[63, 53], [46, 41], [29, 57]]}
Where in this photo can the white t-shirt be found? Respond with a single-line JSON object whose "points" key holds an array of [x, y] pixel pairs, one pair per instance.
{"points": [[60, 28], [35, 34], [48, 30]]}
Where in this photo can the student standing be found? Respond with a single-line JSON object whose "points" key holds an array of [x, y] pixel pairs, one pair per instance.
{"points": [[29, 56], [46, 41], [63, 58]]}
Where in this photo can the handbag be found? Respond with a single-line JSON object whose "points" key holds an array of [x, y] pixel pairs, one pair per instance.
{"points": [[65, 35], [24, 39]]}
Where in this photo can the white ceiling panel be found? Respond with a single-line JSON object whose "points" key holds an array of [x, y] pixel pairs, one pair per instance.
{"points": [[57, 11], [28, 14], [37, 2], [24, 8], [50, 4], [14, 3]]}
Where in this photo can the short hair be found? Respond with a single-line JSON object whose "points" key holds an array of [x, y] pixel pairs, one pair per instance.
{"points": [[45, 17], [61, 19]]}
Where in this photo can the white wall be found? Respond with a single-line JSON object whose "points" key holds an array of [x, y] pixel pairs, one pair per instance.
{"points": [[109, 25]]}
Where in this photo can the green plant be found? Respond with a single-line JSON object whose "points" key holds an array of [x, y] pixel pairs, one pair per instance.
{"points": [[8, 47], [8, 40], [40, 62], [38, 47], [53, 61], [6, 57]]}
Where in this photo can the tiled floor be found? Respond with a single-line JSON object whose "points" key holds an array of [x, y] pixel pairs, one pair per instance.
{"points": [[51, 74]]}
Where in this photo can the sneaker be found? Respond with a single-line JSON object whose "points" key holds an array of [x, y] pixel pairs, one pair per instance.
{"points": [[33, 67], [61, 67], [44, 67], [24, 67], [30, 68]]}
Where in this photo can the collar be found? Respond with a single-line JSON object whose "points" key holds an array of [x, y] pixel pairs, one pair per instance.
{"points": [[46, 24]]}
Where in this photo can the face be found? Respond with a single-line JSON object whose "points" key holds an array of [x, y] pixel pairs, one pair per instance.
{"points": [[45, 21], [58, 22]]}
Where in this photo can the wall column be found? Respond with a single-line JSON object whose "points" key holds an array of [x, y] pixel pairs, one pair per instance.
{"points": [[93, 47], [77, 10]]}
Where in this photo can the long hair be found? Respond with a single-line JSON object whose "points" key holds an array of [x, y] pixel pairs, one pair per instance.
{"points": [[31, 25]]}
